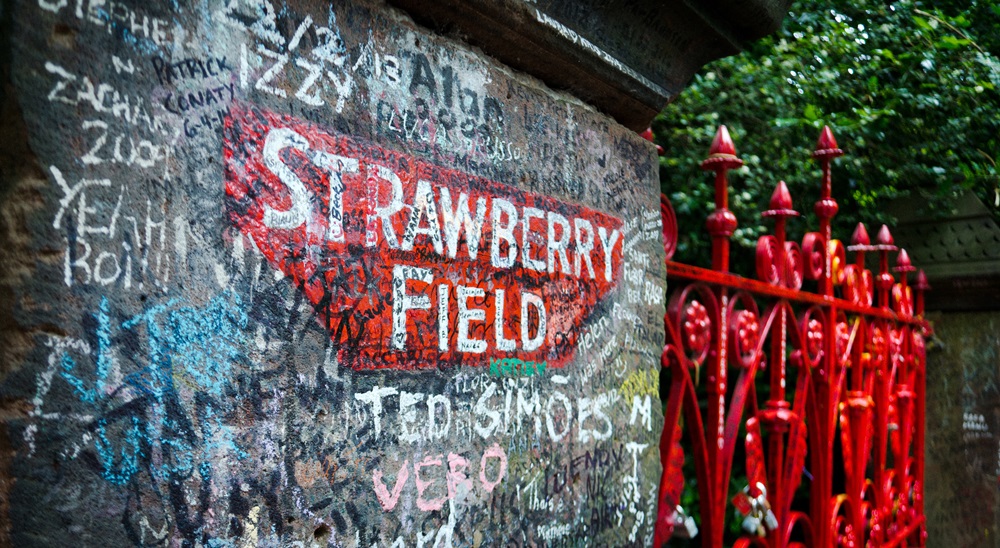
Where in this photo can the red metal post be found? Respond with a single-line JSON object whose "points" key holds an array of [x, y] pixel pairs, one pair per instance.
{"points": [[826, 207], [885, 279], [721, 223], [921, 287]]}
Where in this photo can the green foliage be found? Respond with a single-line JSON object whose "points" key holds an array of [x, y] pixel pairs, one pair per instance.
{"points": [[911, 90]]}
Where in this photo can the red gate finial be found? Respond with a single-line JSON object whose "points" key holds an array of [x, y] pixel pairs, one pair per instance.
{"points": [[860, 243], [826, 150], [884, 281], [860, 239], [826, 207], [921, 286], [902, 295], [721, 223], [779, 262], [781, 202], [826, 145]]}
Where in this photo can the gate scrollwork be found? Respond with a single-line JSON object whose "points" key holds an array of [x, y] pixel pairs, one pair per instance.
{"points": [[821, 390]]}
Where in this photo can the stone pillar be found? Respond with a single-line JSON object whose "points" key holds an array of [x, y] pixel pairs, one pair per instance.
{"points": [[961, 256], [312, 273], [963, 419]]}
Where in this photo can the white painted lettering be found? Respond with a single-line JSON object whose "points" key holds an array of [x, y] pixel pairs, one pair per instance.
{"points": [[503, 233], [403, 301], [277, 140]]}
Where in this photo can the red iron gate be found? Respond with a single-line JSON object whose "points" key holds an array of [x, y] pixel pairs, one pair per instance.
{"points": [[824, 389]]}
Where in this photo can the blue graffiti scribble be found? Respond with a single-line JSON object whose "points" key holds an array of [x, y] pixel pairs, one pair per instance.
{"points": [[104, 345], [201, 340], [175, 424], [127, 465], [78, 385], [103, 359]]}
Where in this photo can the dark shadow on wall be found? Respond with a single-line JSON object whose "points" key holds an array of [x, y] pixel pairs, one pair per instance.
{"points": [[959, 249], [962, 499]]}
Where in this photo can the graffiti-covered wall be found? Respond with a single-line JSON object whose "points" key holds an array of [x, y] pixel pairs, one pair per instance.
{"points": [[306, 273]]}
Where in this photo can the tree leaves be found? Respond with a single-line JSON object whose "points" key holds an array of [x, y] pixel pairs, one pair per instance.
{"points": [[910, 89]]}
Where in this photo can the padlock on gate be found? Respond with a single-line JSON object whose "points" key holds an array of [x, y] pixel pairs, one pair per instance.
{"points": [[758, 518], [684, 525], [748, 508], [752, 525], [764, 507]]}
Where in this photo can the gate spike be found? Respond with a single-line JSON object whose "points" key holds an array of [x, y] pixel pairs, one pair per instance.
{"points": [[903, 263], [884, 239], [826, 145], [921, 286], [860, 237], [781, 203], [722, 153], [884, 280], [648, 135], [722, 143], [921, 283], [860, 243], [781, 198]]}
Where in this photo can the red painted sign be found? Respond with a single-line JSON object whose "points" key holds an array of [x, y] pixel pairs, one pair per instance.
{"points": [[409, 264]]}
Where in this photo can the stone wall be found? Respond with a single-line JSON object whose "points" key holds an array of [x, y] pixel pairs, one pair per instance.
{"points": [[963, 422], [308, 273]]}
